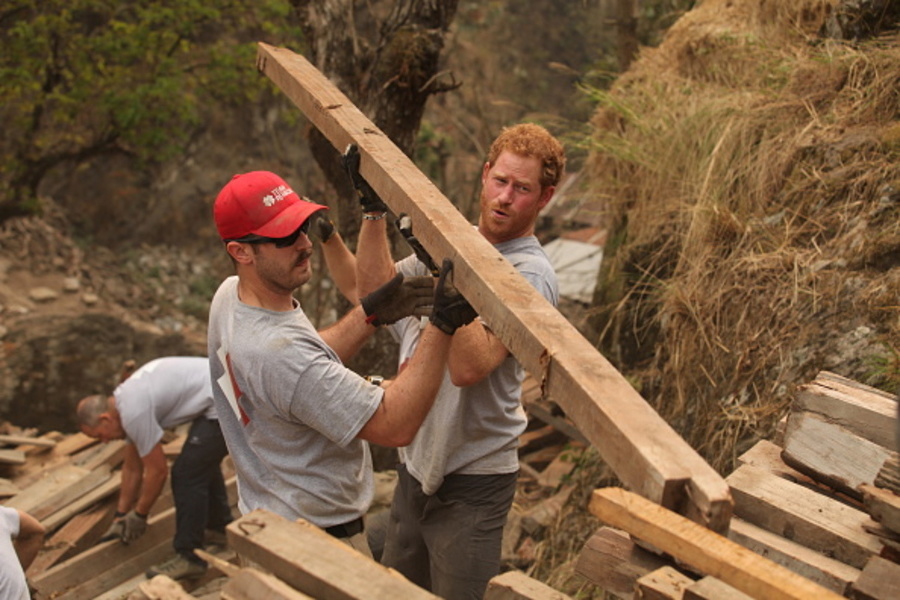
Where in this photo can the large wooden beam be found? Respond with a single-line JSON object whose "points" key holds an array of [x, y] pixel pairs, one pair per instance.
{"points": [[642, 449], [701, 549], [315, 563]]}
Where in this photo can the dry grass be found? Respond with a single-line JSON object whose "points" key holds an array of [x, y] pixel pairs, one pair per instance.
{"points": [[753, 177]]}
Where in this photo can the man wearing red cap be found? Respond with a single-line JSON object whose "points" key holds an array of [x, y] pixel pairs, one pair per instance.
{"points": [[295, 419]]}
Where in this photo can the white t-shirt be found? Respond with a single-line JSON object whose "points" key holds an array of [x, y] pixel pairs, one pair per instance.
{"points": [[290, 412], [12, 578], [163, 393]]}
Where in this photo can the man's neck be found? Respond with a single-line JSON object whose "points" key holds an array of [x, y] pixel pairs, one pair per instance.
{"points": [[255, 294]]}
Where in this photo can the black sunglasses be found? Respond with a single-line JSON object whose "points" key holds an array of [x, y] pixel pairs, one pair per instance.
{"points": [[282, 242]]}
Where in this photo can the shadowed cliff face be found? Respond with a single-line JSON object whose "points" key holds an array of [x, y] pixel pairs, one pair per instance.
{"points": [[51, 361]]}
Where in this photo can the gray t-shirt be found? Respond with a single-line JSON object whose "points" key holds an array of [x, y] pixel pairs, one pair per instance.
{"points": [[290, 412], [163, 393], [473, 430], [12, 578]]}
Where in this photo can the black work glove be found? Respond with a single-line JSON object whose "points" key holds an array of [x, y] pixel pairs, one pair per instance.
{"points": [[322, 227], [116, 531], [368, 199], [451, 309], [398, 298], [135, 526]]}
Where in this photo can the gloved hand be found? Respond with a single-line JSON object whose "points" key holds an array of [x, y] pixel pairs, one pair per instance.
{"points": [[322, 227], [135, 526], [451, 309], [115, 532], [398, 298], [367, 197]]}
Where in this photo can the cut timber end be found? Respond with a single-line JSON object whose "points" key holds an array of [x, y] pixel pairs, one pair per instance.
{"points": [[642, 449]]}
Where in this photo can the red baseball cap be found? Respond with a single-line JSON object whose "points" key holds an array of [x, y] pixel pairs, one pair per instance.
{"points": [[260, 203]]}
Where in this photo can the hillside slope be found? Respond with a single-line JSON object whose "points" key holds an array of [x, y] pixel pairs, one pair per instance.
{"points": [[750, 165]]}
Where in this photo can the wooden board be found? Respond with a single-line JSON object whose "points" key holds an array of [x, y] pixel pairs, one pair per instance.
{"points": [[90, 572], [80, 532], [515, 585], [15, 440], [665, 583], [883, 505], [802, 515], [827, 452], [815, 566], [642, 449], [56, 489], [880, 580], [701, 549], [710, 588], [315, 563], [614, 563], [863, 410], [251, 584]]}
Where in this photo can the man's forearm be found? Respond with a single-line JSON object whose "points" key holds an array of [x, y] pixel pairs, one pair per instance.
{"points": [[374, 265], [348, 335]]}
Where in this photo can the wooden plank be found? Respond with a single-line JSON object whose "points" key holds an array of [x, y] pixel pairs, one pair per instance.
{"points": [[14, 440], [815, 566], [544, 513], [665, 583], [162, 587], [640, 447], [251, 584], [220, 564], [106, 488], [827, 452], [11, 457], [701, 549], [614, 563], [515, 585], [84, 575], [80, 532], [119, 572], [559, 468], [315, 563], [710, 588], [880, 580], [802, 515], [883, 505], [110, 454], [863, 410], [8, 488], [53, 491], [767, 455]]}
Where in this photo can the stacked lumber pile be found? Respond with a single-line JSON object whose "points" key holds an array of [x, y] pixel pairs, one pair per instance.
{"points": [[821, 502], [70, 483]]}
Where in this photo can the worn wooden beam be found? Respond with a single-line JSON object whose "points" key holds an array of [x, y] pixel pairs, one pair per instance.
{"points": [[82, 576], [315, 563], [251, 584], [665, 583], [864, 410], [642, 449], [701, 549], [613, 562], [803, 515], [515, 585], [817, 446], [815, 566]]}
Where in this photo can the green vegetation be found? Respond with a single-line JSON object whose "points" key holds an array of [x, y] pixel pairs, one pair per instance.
{"points": [[88, 78]]}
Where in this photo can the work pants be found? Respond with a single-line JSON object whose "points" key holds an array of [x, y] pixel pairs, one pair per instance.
{"points": [[198, 487], [449, 543]]}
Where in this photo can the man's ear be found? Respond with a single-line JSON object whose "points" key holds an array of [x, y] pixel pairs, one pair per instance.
{"points": [[240, 252]]}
